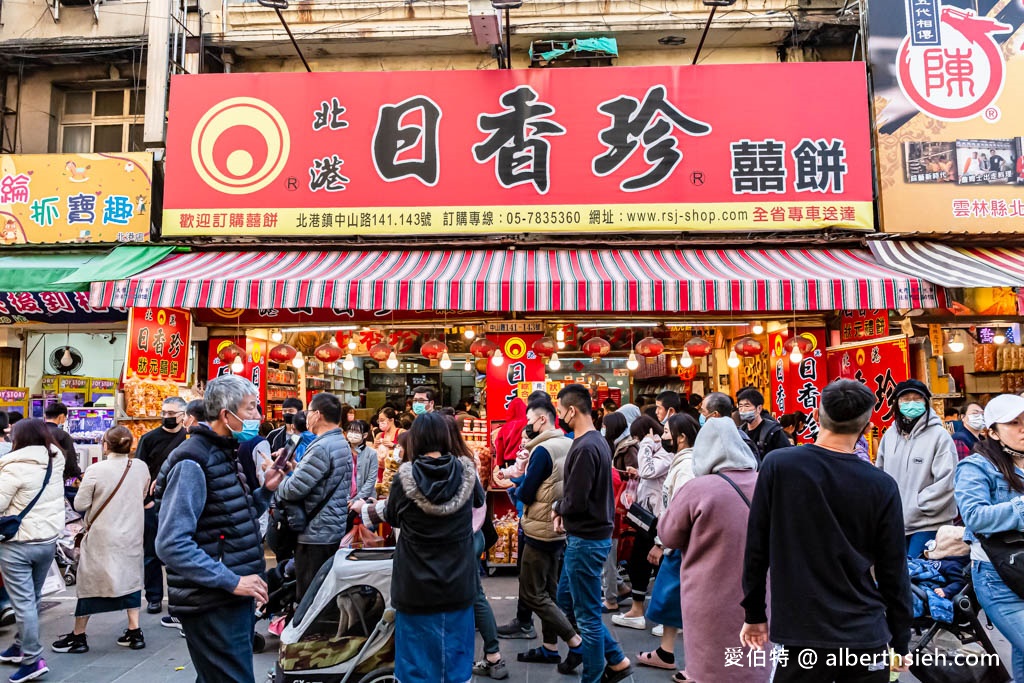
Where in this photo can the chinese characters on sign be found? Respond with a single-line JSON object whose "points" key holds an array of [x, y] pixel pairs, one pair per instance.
{"points": [[637, 148], [521, 365], [158, 343], [880, 365], [797, 386], [863, 324], [19, 308]]}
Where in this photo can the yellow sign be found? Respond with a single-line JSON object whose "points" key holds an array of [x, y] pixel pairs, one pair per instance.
{"points": [[75, 198]]}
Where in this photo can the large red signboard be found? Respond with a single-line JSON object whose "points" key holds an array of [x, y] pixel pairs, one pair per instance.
{"points": [[720, 147], [254, 360], [797, 386], [158, 343], [880, 365], [521, 365]]}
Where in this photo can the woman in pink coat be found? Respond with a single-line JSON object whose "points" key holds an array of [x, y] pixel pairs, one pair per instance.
{"points": [[707, 521]]}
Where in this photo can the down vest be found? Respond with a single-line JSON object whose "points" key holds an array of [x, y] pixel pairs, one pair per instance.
{"points": [[325, 470]]}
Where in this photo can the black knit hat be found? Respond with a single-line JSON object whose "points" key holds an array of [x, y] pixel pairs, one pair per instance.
{"points": [[911, 385]]}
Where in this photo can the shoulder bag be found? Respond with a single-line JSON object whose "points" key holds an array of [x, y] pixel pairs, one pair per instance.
{"points": [[1005, 550], [80, 536], [10, 524], [735, 488]]}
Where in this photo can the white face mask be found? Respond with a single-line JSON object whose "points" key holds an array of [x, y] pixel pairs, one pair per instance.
{"points": [[354, 438], [976, 422]]}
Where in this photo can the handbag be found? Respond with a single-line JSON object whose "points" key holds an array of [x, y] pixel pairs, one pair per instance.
{"points": [[80, 536], [642, 519], [288, 520], [1005, 550], [10, 524], [736, 488]]}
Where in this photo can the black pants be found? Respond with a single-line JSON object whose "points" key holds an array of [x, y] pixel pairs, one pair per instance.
{"points": [[538, 586], [220, 643], [309, 557], [638, 567], [152, 567], [848, 666]]}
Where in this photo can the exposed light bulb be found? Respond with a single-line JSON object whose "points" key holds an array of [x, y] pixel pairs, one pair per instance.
{"points": [[352, 345], [999, 338], [734, 360], [66, 360], [468, 367], [632, 363], [560, 345], [560, 335], [446, 361], [334, 341], [237, 366], [795, 356], [686, 360], [469, 333], [956, 345], [299, 360], [392, 361], [553, 362], [757, 327], [349, 362], [498, 358], [673, 362], [276, 336]]}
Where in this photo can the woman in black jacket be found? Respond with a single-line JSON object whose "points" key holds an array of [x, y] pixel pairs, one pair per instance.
{"points": [[434, 580]]}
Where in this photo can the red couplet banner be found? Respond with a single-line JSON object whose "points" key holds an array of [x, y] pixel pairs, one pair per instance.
{"points": [[520, 364], [880, 365], [719, 147], [797, 386]]}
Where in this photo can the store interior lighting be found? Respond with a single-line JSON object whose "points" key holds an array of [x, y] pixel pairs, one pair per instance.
{"points": [[757, 328], [956, 343], [299, 360], [673, 362], [392, 361], [237, 366], [632, 363], [469, 333], [795, 356], [276, 336], [349, 362], [999, 338], [468, 367], [352, 345], [498, 358], [686, 360], [446, 361], [553, 362], [326, 328], [734, 360]]}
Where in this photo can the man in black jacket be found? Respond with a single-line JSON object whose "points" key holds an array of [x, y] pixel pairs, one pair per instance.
{"points": [[279, 437], [828, 525], [56, 415], [765, 433]]}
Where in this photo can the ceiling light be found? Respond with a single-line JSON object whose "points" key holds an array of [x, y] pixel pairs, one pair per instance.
{"points": [[686, 360], [553, 362], [560, 335], [349, 362], [999, 338], [734, 360], [757, 328], [237, 366], [956, 344], [795, 356], [632, 363], [560, 344], [352, 345], [326, 328], [673, 362], [276, 336], [392, 361], [497, 358], [468, 367], [299, 360], [446, 361], [469, 333], [66, 360]]}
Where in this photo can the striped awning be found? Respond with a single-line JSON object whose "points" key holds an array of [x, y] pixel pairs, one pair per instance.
{"points": [[950, 266], [525, 280]]}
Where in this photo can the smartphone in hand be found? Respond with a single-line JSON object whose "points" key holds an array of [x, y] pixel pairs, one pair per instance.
{"points": [[281, 462]]}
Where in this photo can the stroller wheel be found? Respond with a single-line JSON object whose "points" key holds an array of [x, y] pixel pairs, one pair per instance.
{"points": [[70, 577], [259, 643], [386, 675]]}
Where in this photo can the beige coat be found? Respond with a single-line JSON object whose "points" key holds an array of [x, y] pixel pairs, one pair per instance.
{"points": [[110, 564], [21, 476]]}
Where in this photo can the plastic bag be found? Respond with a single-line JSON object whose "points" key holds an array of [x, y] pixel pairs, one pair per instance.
{"points": [[628, 496], [361, 537], [54, 582]]}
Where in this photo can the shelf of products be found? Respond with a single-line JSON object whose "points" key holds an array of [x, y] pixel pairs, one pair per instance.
{"points": [[144, 397]]}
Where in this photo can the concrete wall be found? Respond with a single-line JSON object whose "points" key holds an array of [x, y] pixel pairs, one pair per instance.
{"points": [[30, 20]]}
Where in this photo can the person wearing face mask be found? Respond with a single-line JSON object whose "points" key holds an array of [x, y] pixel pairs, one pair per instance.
{"points": [[717, 404], [766, 434], [422, 400], [364, 461], [279, 437], [321, 483], [919, 454], [666, 405], [152, 450], [971, 429], [209, 536]]}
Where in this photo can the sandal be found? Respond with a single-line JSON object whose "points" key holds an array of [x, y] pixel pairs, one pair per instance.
{"points": [[680, 677], [653, 660]]}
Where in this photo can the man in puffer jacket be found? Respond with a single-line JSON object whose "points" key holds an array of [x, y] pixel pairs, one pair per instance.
{"points": [[322, 484]]}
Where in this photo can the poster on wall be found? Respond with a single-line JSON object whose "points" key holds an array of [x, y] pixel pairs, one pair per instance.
{"points": [[75, 198], [797, 386], [158, 344], [254, 363], [948, 118], [630, 149], [880, 365], [503, 381]]}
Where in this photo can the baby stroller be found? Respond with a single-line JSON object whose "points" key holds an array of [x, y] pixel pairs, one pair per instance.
{"points": [[343, 629], [67, 554]]}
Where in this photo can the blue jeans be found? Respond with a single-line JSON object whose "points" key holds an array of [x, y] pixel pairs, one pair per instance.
{"points": [[1004, 607], [584, 560], [220, 643], [434, 648], [916, 542], [483, 615], [24, 567]]}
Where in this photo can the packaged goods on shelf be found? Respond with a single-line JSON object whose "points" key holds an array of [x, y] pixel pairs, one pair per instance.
{"points": [[392, 458], [140, 427], [506, 550], [144, 397]]}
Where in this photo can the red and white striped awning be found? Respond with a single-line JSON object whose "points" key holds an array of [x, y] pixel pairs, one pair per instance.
{"points": [[950, 266], [525, 280]]}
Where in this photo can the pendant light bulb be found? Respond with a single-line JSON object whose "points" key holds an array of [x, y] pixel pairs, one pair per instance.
{"points": [[734, 360], [66, 360], [349, 362], [446, 361], [757, 328], [468, 367], [560, 335], [392, 361], [560, 345], [299, 360], [276, 336], [956, 344], [999, 338], [237, 366], [795, 356], [673, 362], [553, 362], [469, 333], [632, 363], [352, 345], [498, 358], [686, 360]]}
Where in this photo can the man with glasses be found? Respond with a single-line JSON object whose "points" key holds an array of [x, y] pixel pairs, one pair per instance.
{"points": [[153, 449], [422, 400]]}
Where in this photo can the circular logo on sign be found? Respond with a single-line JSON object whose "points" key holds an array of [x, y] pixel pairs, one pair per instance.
{"points": [[161, 316], [961, 76], [861, 357], [240, 145], [515, 348]]}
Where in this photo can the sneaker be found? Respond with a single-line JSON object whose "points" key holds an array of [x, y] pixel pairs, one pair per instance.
{"points": [[170, 622], [12, 655], [155, 607], [571, 662], [540, 655], [75, 644], [7, 616], [516, 629], [29, 672], [658, 631], [638, 623], [496, 670], [132, 638]]}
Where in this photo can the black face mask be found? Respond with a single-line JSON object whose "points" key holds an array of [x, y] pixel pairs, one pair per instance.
{"points": [[530, 432], [669, 445], [289, 418], [170, 423]]}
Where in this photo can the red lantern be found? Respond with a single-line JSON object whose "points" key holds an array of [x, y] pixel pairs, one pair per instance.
{"points": [[282, 353], [698, 347], [748, 347], [544, 347], [433, 349], [803, 343], [649, 347], [230, 353], [380, 351], [483, 348], [328, 353], [597, 347]]}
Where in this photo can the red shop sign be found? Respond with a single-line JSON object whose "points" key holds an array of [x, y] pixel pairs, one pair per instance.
{"points": [[880, 365], [158, 343], [797, 386], [863, 325]]}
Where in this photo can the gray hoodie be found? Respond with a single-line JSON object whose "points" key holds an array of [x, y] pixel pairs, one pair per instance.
{"points": [[923, 464]]}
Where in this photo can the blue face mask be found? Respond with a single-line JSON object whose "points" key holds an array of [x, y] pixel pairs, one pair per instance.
{"points": [[912, 409], [702, 420], [250, 429], [419, 408]]}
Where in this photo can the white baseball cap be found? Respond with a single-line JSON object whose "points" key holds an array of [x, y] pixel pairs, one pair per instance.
{"points": [[1003, 408]]}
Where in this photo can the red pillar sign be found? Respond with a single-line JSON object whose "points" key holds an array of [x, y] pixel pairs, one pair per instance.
{"points": [[254, 360], [521, 365], [797, 386], [880, 365]]}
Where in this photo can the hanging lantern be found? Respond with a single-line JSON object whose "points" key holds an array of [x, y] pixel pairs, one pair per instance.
{"points": [[649, 347], [748, 347], [328, 353], [433, 349], [545, 347], [803, 343], [380, 351], [483, 348], [597, 348], [282, 353], [698, 347], [230, 353]]}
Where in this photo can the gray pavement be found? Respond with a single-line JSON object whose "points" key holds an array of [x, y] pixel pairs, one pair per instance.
{"points": [[165, 658]]}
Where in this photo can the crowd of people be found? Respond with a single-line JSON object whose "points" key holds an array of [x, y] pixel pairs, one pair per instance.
{"points": [[723, 524]]}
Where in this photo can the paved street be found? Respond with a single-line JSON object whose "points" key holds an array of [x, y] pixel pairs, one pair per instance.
{"points": [[166, 659]]}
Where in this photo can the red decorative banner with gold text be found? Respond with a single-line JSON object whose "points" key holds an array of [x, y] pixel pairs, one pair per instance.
{"points": [[880, 365], [663, 148], [158, 343]]}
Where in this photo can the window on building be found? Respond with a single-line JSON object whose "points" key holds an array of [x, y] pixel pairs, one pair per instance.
{"points": [[102, 120]]}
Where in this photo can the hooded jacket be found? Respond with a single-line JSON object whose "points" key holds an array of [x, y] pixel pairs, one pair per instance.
{"points": [[434, 568], [21, 476], [510, 435], [653, 465], [923, 464]]}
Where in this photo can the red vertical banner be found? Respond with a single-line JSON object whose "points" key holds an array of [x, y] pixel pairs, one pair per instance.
{"points": [[254, 361], [521, 365], [158, 344], [880, 365], [797, 386]]}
